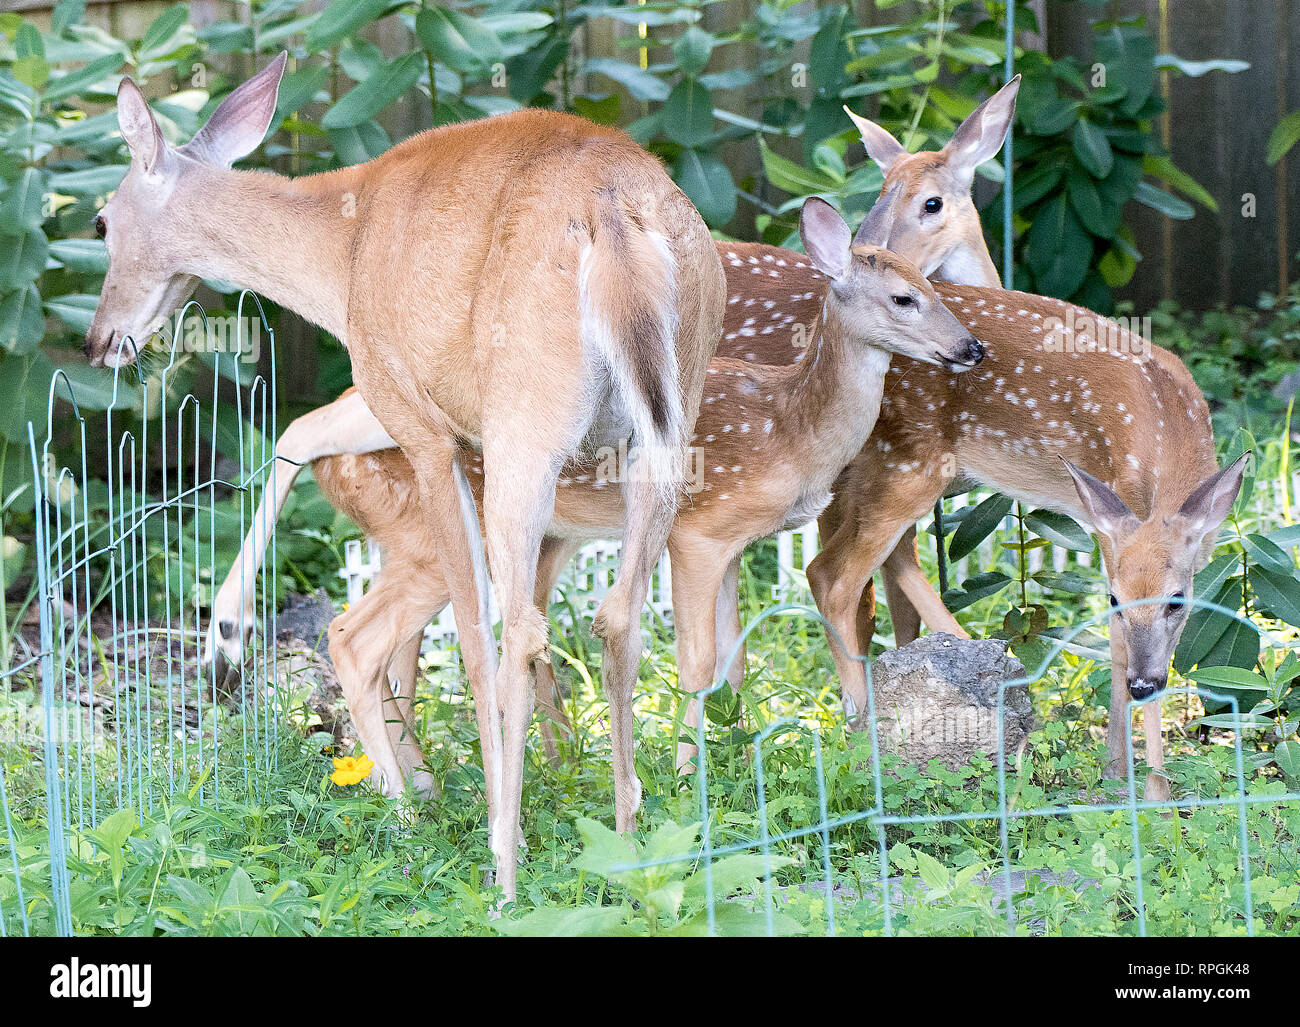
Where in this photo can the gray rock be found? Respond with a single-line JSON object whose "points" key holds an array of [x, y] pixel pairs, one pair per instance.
{"points": [[307, 618], [939, 697]]}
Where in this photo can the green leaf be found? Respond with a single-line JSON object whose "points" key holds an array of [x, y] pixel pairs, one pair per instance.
{"points": [[975, 588], [1284, 136], [96, 181], [602, 849], [692, 50], [580, 922], [86, 255], [357, 144], [1277, 593], [1164, 168], [75, 311], [1067, 581], [366, 100], [790, 177], [1093, 148], [1287, 757], [978, 524], [730, 874], [457, 40], [1268, 554], [641, 84], [1229, 677], [67, 13], [1058, 249], [22, 259], [1165, 203], [688, 113], [1060, 529], [22, 207], [342, 18], [164, 27], [932, 872], [707, 183]]}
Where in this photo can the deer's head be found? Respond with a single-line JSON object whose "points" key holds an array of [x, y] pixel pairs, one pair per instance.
{"points": [[1151, 562], [936, 225], [878, 298], [151, 223]]}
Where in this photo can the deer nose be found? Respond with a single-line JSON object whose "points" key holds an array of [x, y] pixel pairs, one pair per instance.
{"points": [[974, 351], [1143, 689], [98, 339]]}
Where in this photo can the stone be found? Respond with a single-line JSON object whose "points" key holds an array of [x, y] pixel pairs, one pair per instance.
{"points": [[938, 697]]}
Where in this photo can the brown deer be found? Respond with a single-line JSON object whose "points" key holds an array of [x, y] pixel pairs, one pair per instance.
{"points": [[532, 285], [771, 441]]}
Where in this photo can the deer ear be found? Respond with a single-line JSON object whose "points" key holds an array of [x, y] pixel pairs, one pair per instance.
{"points": [[881, 147], [876, 226], [980, 136], [825, 236], [1108, 513], [1211, 501], [238, 125], [139, 127]]}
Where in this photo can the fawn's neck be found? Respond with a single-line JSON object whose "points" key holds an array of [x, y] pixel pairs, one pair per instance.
{"points": [[834, 394], [287, 239]]}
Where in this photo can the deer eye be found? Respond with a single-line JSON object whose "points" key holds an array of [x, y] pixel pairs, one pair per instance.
{"points": [[101, 226], [902, 301], [933, 205], [1176, 602], [1113, 601]]}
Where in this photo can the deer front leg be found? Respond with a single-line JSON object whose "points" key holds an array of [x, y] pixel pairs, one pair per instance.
{"points": [[1157, 785], [344, 426], [699, 573], [1119, 728]]}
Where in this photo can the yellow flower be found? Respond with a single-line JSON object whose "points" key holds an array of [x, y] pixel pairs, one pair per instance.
{"points": [[350, 770]]}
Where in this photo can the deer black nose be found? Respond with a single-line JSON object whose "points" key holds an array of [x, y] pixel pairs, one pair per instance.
{"points": [[1143, 689], [974, 351]]}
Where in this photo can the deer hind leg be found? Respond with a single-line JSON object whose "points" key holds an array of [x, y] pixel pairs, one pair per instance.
{"points": [[648, 520], [521, 466], [555, 555], [699, 573], [729, 629], [403, 674], [906, 621], [912, 599], [365, 643]]}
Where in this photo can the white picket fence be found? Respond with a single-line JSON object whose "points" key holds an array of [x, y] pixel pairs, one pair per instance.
{"points": [[590, 574]]}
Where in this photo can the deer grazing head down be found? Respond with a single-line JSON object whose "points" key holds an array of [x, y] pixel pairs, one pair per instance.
{"points": [[937, 226], [152, 224], [884, 297], [1151, 562]]}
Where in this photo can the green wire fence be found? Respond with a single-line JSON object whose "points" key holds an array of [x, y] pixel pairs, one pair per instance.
{"points": [[130, 714]]}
